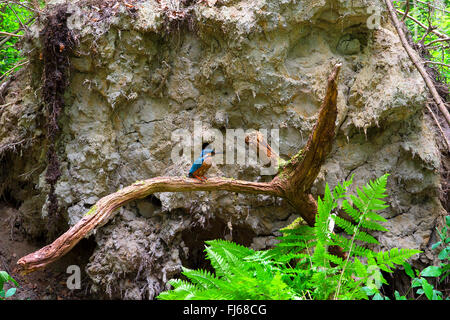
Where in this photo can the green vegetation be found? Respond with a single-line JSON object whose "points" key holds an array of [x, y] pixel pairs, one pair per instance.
{"points": [[439, 273], [437, 14], [92, 210], [302, 266], [5, 278], [13, 18]]}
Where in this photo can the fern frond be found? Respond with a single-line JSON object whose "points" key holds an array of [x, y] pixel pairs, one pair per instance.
{"points": [[183, 290], [372, 225], [213, 294], [351, 211], [345, 244], [202, 278], [217, 261], [341, 189], [365, 237], [292, 256], [388, 259], [319, 257], [324, 208], [237, 250], [346, 225], [335, 259], [237, 265]]}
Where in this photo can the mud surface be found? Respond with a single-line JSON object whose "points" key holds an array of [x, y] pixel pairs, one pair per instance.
{"points": [[48, 284]]}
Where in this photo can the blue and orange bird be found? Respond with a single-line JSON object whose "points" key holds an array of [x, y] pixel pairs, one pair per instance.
{"points": [[202, 164]]}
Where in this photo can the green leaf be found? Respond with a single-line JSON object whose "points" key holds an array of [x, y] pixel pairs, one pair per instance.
{"points": [[10, 292], [447, 220], [4, 276], [427, 288], [377, 296], [369, 291], [398, 296], [408, 269], [444, 254], [437, 244], [416, 283], [437, 295], [431, 271]]}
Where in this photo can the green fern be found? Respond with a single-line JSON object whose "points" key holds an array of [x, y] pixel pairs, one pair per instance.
{"points": [[301, 266]]}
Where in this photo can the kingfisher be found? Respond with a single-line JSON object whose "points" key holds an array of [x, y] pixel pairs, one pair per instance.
{"points": [[202, 164]]}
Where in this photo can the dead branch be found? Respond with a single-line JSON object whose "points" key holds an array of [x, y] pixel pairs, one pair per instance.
{"points": [[11, 34], [36, 9], [428, 4], [18, 19], [292, 183], [105, 207], [6, 39], [438, 63], [440, 35], [7, 73], [406, 10], [439, 126], [437, 40], [417, 63]]}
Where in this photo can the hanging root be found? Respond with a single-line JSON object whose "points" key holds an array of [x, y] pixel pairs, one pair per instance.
{"points": [[58, 42]]}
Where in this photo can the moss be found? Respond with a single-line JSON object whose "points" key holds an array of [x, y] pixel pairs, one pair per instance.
{"points": [[296, 223], [92, 210], [283, 165]]}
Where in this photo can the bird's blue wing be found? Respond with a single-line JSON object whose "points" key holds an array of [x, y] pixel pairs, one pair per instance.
{"points": [[197, 164]]}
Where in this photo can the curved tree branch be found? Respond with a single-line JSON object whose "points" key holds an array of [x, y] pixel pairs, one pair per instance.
{"points": [[292, 183], [106, 206]]}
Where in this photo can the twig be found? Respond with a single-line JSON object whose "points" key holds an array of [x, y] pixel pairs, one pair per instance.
{"points": [[441, 47], [438, 40], [25, 28], [436, 62], [406, 10], [18, 30], [438, 125], [426, 3], [11, 34], [430, 29], [22, 5], [441, 35], [417, 63], [12, 69]]}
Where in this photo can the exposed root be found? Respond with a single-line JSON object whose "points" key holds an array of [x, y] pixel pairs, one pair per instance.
{"points": [[178, 14], [58, 42]]}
